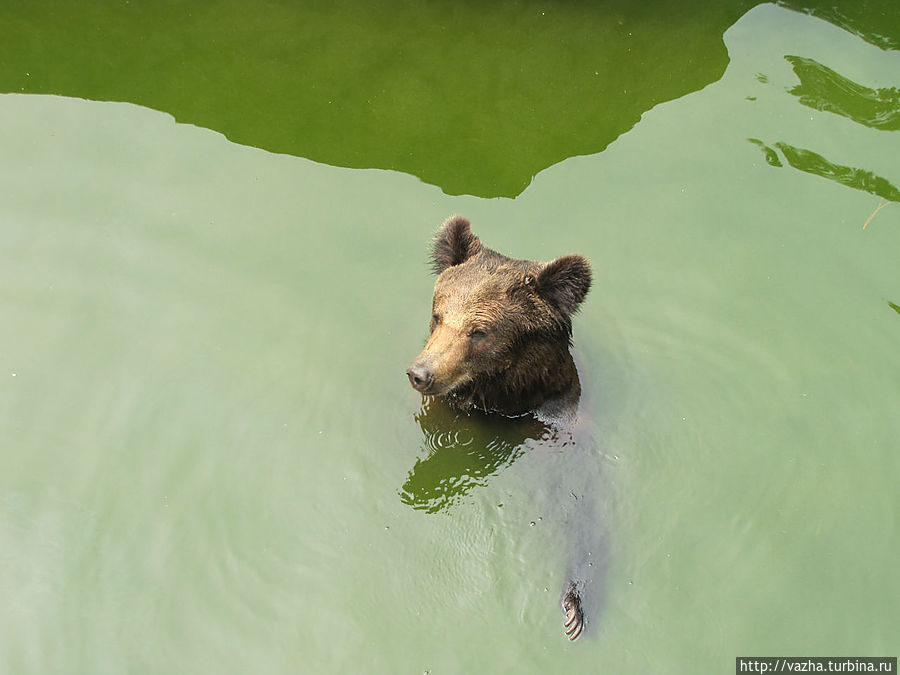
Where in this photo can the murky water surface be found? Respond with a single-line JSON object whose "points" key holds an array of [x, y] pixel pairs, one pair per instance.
{"points": [[210, 458]]}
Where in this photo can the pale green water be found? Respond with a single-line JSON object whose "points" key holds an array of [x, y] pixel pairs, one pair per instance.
{"points": [[207, 440]]}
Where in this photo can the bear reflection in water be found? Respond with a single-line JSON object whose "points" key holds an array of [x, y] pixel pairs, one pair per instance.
{"points": [[498, 380], [463, 451]]}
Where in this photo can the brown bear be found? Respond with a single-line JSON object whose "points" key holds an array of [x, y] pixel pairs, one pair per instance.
{"points": [[501, 330], [500, 327]]}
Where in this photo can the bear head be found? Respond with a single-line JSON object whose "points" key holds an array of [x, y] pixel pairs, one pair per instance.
{"points": [[500, 327]]}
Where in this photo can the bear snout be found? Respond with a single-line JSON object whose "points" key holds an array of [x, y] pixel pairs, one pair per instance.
{"points": [[420, 376]]}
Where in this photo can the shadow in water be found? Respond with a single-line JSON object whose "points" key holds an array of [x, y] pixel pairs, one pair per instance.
{"points": [[474, 97], [462, 452], [823, 89], [814, 163], [770, 154], [875, 21], [858, 179]]}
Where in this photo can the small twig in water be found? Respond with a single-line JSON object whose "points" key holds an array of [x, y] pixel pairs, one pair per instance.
{"points": [[881, 204]]}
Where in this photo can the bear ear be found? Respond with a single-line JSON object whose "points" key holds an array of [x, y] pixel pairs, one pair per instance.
{"points": [[564, 282], [454, 244]]}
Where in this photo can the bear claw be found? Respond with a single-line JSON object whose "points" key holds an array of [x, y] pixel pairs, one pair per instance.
{"points": [[574, 622]]}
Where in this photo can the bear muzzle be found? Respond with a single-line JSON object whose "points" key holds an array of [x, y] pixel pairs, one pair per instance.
{"points": [[443, 365], [420, 377]]}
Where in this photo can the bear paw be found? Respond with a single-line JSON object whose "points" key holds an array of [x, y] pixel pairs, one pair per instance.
{"points": [[574, 621]]}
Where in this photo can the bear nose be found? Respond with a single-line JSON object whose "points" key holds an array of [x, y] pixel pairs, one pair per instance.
{"points": [[419, 377]]}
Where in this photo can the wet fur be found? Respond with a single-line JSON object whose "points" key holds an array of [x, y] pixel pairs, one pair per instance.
{"points": [[525, 306]]}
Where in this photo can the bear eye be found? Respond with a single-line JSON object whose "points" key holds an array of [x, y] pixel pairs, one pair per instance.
{"points": [[435, 319], [477, 334]]}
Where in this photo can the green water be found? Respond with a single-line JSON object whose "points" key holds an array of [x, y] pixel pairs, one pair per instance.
{"points": [[473, 97], [210, 458]]}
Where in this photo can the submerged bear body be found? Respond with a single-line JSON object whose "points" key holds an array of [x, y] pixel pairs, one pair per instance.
{"points": [[501, 331]]}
